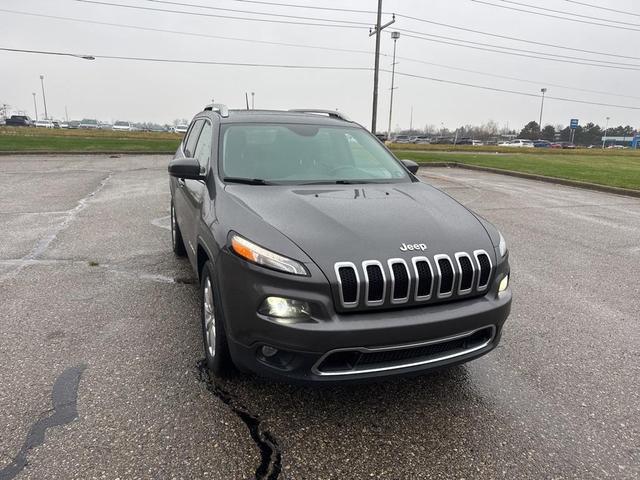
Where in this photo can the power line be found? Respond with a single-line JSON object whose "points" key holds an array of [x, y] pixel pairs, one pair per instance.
{"points": [[548, 15], [192, 34], [320, 67], [515, 92], [517, 79], [517, 49], [506, 37], [318, 47], [208, 7], [568, 58], [585, 4], [230, 17], [564, 12], [524, 55], [417, 19]]}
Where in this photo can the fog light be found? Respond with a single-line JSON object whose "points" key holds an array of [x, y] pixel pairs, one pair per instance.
{"points": [[284, 308], [504, 283], [268, 351]]}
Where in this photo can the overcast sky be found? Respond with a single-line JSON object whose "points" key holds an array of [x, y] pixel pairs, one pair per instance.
{"points": [[110, 89]]}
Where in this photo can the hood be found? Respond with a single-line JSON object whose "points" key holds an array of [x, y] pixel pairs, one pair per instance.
{"points": [[356, 223]]}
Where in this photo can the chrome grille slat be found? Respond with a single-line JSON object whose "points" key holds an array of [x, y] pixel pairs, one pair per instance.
{"points": [[366, 267], [460, 260], [447, 260], [478, 254], [375, 283], [419, 279], [396, 299]]}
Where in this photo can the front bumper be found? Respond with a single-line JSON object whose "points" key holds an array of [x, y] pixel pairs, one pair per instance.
{"points": [[302, 347]]}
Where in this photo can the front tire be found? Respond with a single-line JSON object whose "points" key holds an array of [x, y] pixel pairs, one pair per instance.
{"points": [[177, 243], [214, 335]]}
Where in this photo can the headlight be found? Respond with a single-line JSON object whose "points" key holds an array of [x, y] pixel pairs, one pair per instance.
{"points": [[256, 254], [284, 308], [502, 246]]}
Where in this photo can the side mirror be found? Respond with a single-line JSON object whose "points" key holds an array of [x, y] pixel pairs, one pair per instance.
{"points": [[411, 166], [187, 168]]}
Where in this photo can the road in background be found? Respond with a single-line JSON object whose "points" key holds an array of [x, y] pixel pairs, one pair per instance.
{"points": [[91, 293]]}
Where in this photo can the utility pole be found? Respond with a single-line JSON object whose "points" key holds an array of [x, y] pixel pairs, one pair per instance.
{"points": [[411, 120], [543, 90], [376, 31], [66, 114], [253, 97], [246, 98], [44, 99], [395, 36], [604, 139], [35, 105]]}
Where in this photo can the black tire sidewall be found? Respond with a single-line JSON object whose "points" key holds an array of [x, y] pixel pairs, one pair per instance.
{"points": [[220, 364]]}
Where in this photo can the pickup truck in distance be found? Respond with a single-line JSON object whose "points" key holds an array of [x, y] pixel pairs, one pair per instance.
{"points": [[19, 121], [323, 258]]}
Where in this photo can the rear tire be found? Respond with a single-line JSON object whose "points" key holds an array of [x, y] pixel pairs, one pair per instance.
{"points": [[176, 236], [214, 336]]}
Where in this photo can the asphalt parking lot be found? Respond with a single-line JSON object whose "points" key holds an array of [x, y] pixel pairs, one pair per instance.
{"points": [[100, 347]]}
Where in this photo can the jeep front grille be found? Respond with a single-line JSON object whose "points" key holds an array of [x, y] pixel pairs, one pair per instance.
{"points": [[396, 282]]}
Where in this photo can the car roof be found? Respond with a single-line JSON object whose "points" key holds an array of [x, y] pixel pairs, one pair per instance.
{"points": [[282, 116]]}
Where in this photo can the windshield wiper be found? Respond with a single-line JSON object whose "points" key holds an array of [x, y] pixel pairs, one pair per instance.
{"points": [[246, 181], [337, 182]]}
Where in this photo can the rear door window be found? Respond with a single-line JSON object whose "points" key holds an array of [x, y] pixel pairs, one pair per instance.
{"points": [[202, 151], [192, 138]]}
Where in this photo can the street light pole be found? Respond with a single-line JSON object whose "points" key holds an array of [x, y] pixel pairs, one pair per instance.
{"points": [[35, 105], [604, 139], [395, 36], [44, 99], [543, 90], [253, 97]]}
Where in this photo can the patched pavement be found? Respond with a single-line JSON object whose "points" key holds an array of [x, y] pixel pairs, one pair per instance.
{"points": [[100, 347]]}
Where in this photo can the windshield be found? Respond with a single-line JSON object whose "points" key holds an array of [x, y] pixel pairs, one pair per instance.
{"points": [[294, 153], [122, 124]]}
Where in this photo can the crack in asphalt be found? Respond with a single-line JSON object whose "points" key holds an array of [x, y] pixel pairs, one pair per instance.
{"points": [[271, 455], [64, 397], [44, 242]]}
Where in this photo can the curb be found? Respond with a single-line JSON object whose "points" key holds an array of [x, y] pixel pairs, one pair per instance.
{"points": [[541, 178], [75, 152]]}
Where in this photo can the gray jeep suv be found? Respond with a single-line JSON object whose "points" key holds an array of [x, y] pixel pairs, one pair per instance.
{"points": [[321, 257]]}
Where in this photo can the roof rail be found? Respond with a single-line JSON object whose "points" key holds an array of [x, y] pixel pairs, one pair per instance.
{"points": [[221, 108], [331, 113]]}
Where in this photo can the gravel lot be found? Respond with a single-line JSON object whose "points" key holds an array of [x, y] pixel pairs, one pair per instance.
{"points": [[100, 347]]}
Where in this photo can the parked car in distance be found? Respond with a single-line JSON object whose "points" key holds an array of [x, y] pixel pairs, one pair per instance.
{"points": [[44, 124], [542, 144], [89, 123], [563, 145], [263, 206], [122, 126], [423, 140], [73, 124], [401, 139], [382, 137], [518, 142], [469, 141], [181, 128], [19, 121]]}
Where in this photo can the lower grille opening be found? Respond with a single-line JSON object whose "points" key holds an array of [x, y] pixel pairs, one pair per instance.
{"points": [[362, 361]]}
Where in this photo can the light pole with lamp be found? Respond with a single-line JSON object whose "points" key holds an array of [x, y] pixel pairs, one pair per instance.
{"points": [[35, 105], [543, 90], [253, 98], [604, 139], [395, 36], [44, 99]]}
